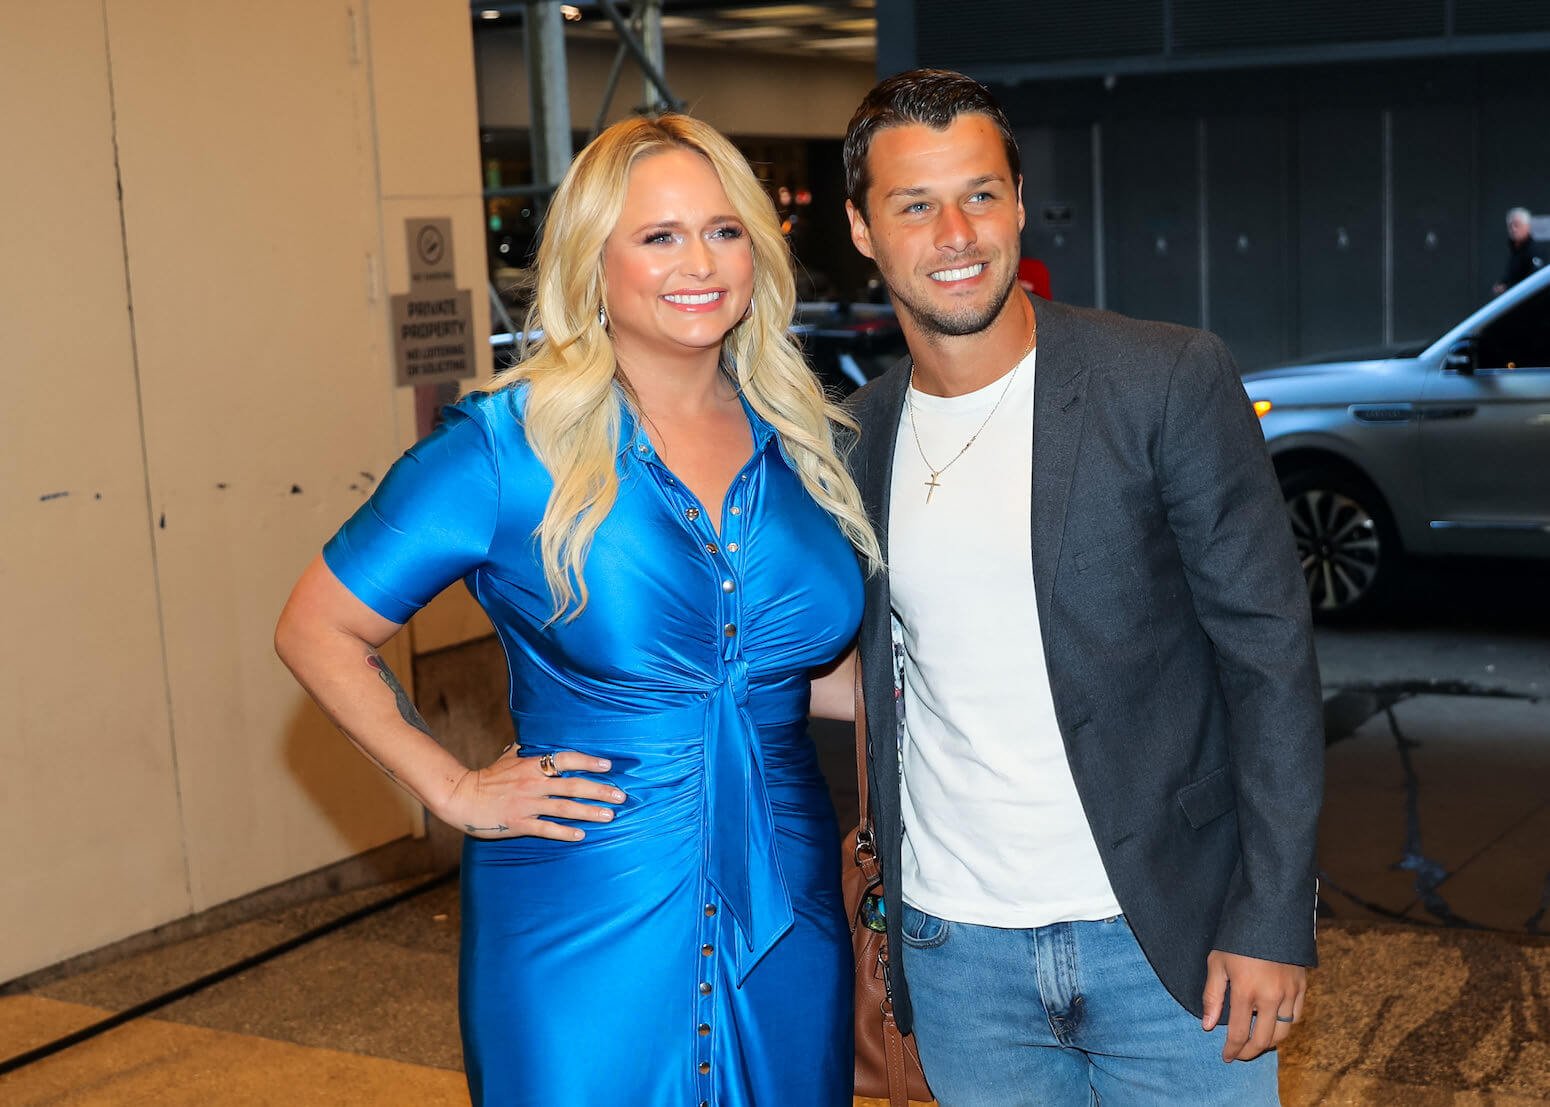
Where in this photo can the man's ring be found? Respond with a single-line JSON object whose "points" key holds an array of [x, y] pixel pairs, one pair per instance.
{"points": [[1285, 1018], [547, 767]]}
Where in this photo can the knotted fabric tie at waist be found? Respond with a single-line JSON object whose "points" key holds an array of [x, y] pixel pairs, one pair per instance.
{"points": [[741, 862], [741, 859]]}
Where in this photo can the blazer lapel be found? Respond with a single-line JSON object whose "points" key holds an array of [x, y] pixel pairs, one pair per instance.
{"points": [[1057, 431], [879, 432]]}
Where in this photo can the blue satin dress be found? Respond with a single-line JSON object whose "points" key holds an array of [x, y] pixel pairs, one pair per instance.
{"points": [[694, 951]]}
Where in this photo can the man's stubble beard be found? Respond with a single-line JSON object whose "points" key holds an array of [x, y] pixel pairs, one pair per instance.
{"points": [[972, 321]]}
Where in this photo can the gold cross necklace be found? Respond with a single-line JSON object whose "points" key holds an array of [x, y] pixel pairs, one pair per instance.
{"points": [[933, 484]]}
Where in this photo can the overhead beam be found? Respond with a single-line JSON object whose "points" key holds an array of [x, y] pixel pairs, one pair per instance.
{"points": [[548, 92], [651, 69], [649, 19]]}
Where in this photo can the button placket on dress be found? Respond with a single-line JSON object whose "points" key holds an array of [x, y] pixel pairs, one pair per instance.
{"points": [[729, 602], [722, 551], [729, 609]]}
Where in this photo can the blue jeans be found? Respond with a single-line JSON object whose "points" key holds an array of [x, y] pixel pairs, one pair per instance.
{"points": [[1066, 1014]]}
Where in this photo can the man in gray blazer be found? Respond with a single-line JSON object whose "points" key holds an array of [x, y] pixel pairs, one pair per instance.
{"points": [[1096, 748]]}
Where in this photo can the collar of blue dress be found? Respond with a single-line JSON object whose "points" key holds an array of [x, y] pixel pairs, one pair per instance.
{"points": [[634, 440]]}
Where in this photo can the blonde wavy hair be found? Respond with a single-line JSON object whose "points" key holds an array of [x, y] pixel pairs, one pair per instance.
{"points": [[574, 412]]}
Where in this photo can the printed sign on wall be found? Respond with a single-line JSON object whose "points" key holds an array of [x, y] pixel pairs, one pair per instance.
{"points": [[433, 323]]}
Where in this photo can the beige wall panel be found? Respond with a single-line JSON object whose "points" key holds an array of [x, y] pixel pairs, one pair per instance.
{"points": [[251, 212], [88, 798], [422, 75], [743, 94]]}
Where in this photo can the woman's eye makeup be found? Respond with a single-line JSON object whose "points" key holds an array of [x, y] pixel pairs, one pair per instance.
{"points": [[724, 231]]}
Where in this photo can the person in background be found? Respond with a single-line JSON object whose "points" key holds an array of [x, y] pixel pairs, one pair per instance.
{"points": [[652, 511], [1523, 254]]}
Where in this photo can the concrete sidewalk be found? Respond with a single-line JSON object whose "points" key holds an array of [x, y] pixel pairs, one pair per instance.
{"points": [[367, 1015]]}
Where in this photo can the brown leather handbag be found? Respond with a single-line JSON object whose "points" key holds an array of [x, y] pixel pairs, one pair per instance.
{"points": [[887, 1063]]}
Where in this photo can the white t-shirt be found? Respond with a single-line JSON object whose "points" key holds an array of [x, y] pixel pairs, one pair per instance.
{"points": [[994, 832]]}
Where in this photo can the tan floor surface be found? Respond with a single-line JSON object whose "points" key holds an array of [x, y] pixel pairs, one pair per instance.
{"points": [[1397, 1016], [154, 1062], [173, 1065]]}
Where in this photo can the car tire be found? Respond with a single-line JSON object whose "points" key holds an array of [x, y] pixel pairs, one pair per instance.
{"points": [[1346, 541]]}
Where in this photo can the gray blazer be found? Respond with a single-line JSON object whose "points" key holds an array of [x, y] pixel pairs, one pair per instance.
{"points": [[1176, 633]]}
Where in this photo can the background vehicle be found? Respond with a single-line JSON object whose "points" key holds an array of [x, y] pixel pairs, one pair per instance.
{"points": [[848, 344], [1443, 450]]}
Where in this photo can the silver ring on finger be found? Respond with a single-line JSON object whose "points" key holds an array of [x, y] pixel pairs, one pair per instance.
{"points": [[1285, 1018], [547, 766]]}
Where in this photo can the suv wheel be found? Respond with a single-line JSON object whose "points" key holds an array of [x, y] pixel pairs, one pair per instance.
{"points": [[1345, 538]]}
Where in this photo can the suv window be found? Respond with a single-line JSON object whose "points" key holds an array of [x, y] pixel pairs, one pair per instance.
{"points": [[1519, 339]]}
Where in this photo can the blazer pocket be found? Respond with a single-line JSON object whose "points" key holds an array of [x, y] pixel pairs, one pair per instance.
{"points": [[1208, 798]]}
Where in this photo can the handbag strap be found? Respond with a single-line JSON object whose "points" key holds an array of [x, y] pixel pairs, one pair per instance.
{"points": [[863, 800], [893, 1048]]}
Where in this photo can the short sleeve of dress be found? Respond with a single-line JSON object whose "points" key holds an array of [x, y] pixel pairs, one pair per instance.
{"points": [[430, 522]]}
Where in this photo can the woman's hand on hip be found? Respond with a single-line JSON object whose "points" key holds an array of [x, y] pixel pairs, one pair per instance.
{"points": [[514, 797]]}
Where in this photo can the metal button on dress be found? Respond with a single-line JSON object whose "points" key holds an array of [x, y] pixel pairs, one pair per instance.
{"points": [[705, 988], [642, 448], [711, 547], [707, 950], [703, 1029], [692, 514], [731, 547], [730, 630], [710, 909], [704, 1067], [737, 510], [727, 586]]}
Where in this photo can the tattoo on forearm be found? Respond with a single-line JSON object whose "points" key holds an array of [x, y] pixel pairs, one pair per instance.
{"points": [[405, 705]]}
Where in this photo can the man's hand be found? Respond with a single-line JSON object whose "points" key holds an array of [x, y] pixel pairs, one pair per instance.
{"points": [[1267, 994]]}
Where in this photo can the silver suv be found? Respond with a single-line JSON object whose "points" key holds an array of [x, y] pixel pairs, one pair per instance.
{"points": [[1441, 450]]}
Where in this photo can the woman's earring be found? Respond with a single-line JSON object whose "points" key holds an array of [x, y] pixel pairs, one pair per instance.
{"points": [[602, 317]]}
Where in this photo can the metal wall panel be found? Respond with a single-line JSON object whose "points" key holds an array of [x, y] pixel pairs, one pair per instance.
{"points": [[1034, 30], [1058, 201], [1246, 237], [1340, 230], [1151, 219], [1498, 17], [1434, 283], [1209, 25]]}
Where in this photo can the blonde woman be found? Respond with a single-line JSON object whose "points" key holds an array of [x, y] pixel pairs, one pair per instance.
{"points": [[651, 509]]}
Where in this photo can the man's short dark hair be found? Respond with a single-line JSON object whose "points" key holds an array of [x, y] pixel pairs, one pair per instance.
{"points": [[933, 97]]}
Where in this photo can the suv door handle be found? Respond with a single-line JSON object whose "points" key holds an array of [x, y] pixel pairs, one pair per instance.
{"points": [[1433, 412]]}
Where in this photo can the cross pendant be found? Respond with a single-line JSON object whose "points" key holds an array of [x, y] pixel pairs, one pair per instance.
{"points": [[931, 486]]}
